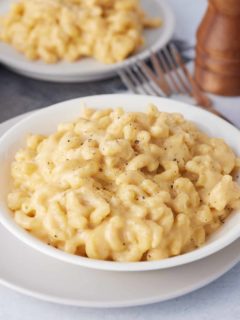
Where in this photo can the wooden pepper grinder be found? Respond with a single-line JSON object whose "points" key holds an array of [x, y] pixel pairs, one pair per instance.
{"points": [[217, 67]]}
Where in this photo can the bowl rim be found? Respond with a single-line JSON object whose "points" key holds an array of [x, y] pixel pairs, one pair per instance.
{"points": [[8, 222]]}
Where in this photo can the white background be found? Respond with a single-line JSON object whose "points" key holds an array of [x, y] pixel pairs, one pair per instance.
{"points": [[219, 300]]}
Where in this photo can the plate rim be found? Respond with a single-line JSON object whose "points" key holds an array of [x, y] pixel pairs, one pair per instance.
{"points": [[112, 305]]}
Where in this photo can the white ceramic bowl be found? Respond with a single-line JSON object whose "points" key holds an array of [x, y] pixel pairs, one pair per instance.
{"points": [[46, 120]]}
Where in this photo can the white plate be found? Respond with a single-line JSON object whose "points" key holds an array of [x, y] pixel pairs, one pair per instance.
{"points": [[32, 273], [89, 69]]}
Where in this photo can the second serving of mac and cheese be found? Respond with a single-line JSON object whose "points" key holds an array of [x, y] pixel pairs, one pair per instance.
{"points": [[121, 186], [53, 30]]}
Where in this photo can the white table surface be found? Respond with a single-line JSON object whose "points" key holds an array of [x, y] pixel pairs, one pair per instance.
{"points": [[219, 300]]}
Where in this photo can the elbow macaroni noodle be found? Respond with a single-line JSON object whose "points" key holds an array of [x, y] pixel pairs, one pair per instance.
{"points": [[124, 186], [53, 30]]}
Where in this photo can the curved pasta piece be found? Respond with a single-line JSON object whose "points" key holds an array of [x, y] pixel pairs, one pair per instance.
{"points": [[223, 193]]}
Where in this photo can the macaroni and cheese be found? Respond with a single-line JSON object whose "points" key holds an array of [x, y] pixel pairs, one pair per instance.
{"points": [[124, 186], [53, 30]]}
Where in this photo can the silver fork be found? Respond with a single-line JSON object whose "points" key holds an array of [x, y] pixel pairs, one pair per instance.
{"points": [[168, 77]]}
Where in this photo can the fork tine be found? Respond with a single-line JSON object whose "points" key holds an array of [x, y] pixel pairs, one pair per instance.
{"points": [[145, 81], [136, 81], [159, 71], [168, 71], [126, 80], [196, 92], [171, 59], [151, 78], [161, 79], [172, 69]]}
